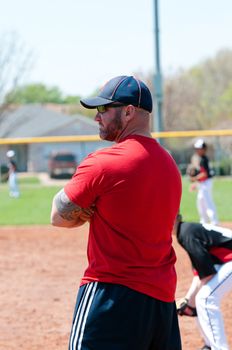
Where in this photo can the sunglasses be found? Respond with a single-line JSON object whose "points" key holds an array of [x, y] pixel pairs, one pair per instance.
{"points": [[103, 109]]}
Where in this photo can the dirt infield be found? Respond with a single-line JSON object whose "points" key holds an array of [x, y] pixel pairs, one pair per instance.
{"points": [[40, 269]]}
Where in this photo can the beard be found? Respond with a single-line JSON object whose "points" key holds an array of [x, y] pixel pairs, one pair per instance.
{"points": [[112, 130]]}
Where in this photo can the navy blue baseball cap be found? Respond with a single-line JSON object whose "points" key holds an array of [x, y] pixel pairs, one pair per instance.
{"points": [[124, 89]]}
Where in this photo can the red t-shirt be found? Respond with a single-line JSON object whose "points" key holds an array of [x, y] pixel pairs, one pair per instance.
{"points": [[136, 188]]}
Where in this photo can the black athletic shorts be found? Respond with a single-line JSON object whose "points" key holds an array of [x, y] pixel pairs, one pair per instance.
{"points": [[113, 317]]}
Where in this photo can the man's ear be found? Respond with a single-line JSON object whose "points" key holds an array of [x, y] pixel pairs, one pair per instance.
{"points": [[129, 112]]}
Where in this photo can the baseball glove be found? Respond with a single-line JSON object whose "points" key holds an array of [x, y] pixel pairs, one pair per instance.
{"points": [[184, 309], [192, 171]]}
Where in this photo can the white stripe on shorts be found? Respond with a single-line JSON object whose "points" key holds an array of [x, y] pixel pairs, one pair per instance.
{"points": [[81, 317]]}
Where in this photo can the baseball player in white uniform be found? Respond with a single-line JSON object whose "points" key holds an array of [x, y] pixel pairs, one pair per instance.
{"points": [[12, 180], [210, 251], [203, 178]]}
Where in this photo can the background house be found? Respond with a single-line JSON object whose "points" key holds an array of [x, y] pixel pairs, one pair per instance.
{"points": [[38, 121]]}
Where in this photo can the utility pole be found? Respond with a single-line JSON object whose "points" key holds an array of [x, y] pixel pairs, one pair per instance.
{"points": [[157, 83]]}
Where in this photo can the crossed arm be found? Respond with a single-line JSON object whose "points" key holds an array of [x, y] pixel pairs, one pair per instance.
{"points": [[65, 213]]}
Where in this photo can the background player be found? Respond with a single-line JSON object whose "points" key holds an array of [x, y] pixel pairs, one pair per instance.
{"points": [[210, 251], [12, 175], [203, 177]]}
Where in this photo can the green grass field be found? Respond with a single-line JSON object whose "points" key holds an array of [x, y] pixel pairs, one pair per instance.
{"points": [[34, 204], [31, 208], [222, 194]]}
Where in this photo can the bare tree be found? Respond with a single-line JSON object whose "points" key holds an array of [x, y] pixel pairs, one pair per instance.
{"points": [[15, 63], [200, 97]]}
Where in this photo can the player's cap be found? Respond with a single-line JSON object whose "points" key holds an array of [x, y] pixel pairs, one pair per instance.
{"points": [[200, 143], [10, 153], [124, 89]]}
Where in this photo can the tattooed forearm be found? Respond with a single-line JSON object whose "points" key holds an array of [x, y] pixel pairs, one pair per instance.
{"points": [[67, 209], [65, 213]]}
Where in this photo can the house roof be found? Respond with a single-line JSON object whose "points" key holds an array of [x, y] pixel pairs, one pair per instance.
{"points": [[35, 120]]}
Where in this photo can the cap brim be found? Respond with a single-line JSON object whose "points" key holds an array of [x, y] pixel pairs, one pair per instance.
{"points": [[93, 102]]}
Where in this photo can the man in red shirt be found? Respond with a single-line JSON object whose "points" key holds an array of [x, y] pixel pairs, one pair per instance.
{"points": [[130, 193]]}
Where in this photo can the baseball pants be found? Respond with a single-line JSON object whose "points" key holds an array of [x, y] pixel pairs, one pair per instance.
{"points": [[113, 317], [205, 204], [208, 300], [13, 185]]}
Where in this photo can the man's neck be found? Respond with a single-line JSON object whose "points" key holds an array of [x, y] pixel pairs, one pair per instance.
{"points": [[138, 132]]}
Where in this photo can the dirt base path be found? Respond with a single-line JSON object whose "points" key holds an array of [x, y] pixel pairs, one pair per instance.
{"points": [[40, 270]]}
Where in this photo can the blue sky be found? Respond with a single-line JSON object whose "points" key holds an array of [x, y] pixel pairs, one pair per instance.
{"points": [[78, 45]]}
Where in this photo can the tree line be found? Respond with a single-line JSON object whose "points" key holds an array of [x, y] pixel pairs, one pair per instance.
{"points": [[194, 99], [200, 97]]}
